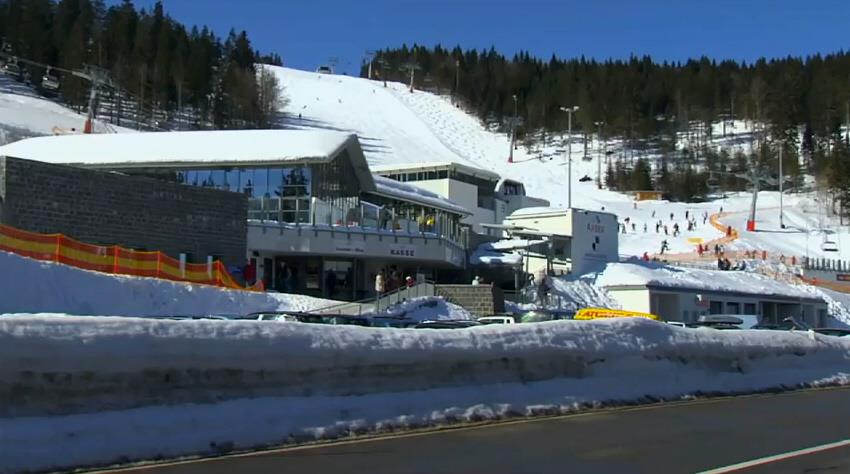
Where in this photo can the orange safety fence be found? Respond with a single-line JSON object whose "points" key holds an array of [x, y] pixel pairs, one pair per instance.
{"points": [[114, 259]]}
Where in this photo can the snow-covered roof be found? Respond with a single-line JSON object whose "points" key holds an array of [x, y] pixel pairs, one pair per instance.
{"points": [[408, 192], [196, 147], [663, 276], [531, 211], [436, 165], [501, 252], [513, 244]]}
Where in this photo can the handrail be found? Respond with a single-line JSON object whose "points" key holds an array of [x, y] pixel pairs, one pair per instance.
{"points": [[371, 300]]}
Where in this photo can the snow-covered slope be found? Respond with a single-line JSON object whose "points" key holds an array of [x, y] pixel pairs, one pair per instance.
{"points": [[397, 126], [31, 286], [24, 114]]}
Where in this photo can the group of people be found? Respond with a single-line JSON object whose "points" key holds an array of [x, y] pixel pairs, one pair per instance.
{"points": [[387, 281], [723, 263]]}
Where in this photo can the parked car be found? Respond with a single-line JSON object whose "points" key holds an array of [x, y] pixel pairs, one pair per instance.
{"points": [[719, 321], [448, 324], [274, 316], [833, 332], [497, 320], [392, 322], [540, 315], [12, 69], [324, 70]]}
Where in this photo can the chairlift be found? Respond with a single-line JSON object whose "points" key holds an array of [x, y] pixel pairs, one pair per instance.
{"points": [[49, 81]]}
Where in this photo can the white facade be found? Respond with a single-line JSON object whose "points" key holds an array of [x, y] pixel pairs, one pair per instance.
{"points": [[589, 239], [489, 201], [687, 305]]}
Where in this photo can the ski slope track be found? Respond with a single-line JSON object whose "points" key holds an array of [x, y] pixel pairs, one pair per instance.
{"points": [[397, 126]]}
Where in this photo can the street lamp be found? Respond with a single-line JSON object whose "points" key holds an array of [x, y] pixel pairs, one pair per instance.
{"points": [[513, 132], [599, 155], [569, 111]]}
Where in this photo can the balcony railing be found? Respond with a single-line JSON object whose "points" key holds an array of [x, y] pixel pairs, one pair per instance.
{"points": [[366, 216]]}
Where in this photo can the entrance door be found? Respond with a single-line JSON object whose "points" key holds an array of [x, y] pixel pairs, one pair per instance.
{"points": [[338, 279]]}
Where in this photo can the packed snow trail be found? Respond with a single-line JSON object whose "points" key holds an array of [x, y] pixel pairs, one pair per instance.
{"points": [[24, 114], [400, 127]]}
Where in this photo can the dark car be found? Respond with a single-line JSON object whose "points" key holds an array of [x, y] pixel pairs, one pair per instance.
{"points": [[719, 321], [833, 332]]}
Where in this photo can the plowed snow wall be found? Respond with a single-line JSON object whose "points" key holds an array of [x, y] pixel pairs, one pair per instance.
{"points": [[61, 365]]}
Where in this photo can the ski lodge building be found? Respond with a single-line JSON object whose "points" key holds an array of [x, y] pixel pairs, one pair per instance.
{"points": [[301, 205], [489, 197]]}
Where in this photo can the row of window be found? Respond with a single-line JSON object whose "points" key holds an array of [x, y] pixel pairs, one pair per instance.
{"points": [[716, 307], [419, 175], [254, 182]]}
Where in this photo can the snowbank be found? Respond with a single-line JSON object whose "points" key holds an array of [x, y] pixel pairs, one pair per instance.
{"points": [[658, 274], [32, 286], [427, 308], [139, 389]]}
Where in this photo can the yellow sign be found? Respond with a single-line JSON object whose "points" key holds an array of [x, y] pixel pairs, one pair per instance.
{"points": [[587, 314], [695, 240]]}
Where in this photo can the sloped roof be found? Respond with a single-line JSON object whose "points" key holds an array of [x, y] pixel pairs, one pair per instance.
{"points": [[409, 192], [196, 149]]}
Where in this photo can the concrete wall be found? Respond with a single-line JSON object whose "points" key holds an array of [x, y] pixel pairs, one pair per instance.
{"points": [[482, 300], [111, 208], [632, 299]]}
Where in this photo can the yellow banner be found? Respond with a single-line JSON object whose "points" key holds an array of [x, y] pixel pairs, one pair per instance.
{"points": [[587, 314]]}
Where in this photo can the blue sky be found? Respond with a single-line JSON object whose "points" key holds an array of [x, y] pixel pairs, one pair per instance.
{"points": [[308, 32]]}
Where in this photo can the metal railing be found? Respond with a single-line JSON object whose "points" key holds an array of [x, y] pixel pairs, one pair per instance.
{"points": [[386, 301]]}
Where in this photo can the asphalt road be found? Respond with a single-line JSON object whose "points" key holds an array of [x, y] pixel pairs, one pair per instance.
{"points": [[676, 438]]}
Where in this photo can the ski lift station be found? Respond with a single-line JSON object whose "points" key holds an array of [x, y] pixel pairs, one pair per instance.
{"points": [[312, 207]]}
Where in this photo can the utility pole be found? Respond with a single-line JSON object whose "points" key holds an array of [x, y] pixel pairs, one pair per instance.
{"points": [[412, 67], [457, 76], [513, 132], [569, 111], [370, 57], [385, 66], [599, 155], [781, 182]]}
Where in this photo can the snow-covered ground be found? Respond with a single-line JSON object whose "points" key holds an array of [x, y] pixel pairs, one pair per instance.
{"points": [[25, 114], [397, 126], [32, 286], [299, 382]]}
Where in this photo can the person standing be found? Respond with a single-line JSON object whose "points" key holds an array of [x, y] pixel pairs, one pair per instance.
{"points": [[380, 284]]}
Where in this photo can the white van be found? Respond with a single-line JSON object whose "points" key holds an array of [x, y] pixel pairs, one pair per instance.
{"points": [[497, 320]]}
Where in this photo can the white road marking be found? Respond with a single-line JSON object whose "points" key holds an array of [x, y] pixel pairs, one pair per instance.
{"points": [[778, 457]]}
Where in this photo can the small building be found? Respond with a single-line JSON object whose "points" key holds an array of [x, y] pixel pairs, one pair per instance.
{"points": [[487, 196], [684, 295], [564, 240]]}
